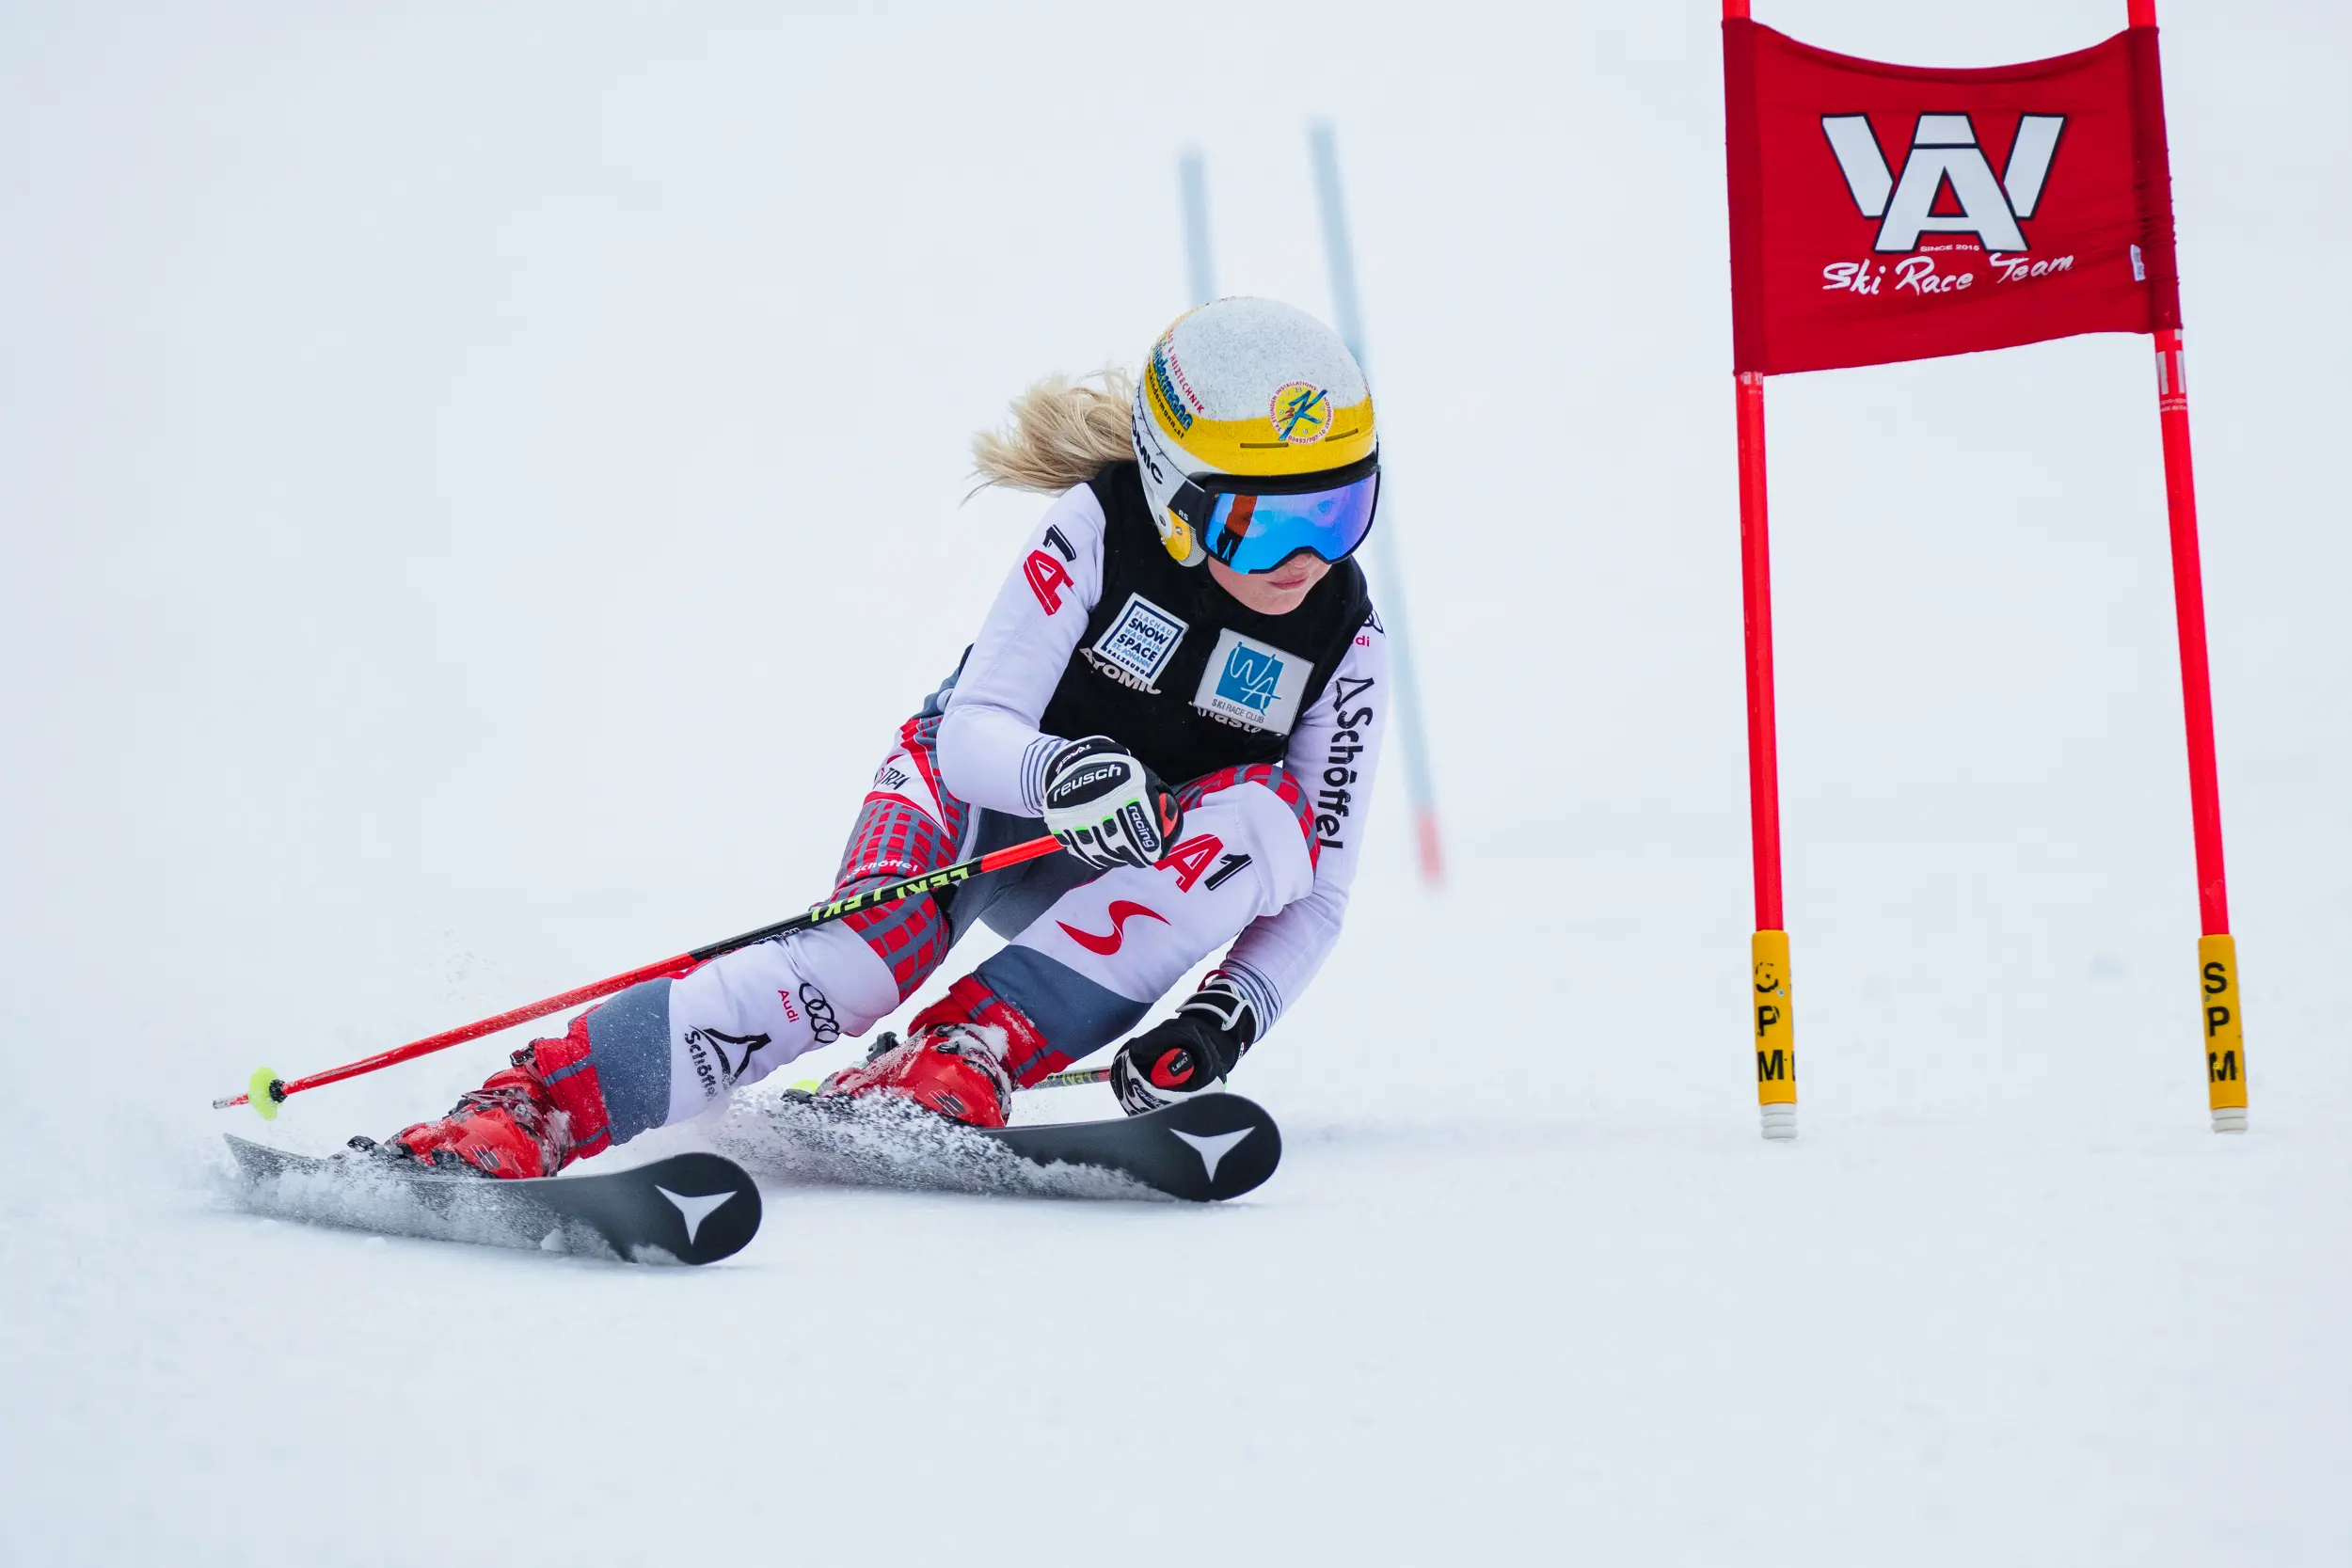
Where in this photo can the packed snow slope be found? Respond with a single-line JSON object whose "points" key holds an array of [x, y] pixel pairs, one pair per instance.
{"points": [[480, 486]]}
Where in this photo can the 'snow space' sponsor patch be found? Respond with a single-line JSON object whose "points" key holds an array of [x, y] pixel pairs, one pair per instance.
{"points": [[1140, 642]]}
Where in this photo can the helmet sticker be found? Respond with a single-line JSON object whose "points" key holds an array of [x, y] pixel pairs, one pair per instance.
{"points": [[1300, 413], [1163, 376]]}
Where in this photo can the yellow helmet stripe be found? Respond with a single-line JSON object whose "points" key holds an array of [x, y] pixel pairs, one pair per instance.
{"points": [[1255, 448]]}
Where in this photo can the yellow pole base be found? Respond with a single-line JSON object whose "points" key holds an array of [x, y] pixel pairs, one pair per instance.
{"points": [[2225, 1043], [1775, 1035]]}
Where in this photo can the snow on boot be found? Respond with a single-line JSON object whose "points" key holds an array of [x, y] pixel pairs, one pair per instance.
{"points": [[953, 1059], [519, 1123], [509, 1127]]}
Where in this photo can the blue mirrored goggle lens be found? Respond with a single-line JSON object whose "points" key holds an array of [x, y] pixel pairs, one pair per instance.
{"points": [[1257, 533]]}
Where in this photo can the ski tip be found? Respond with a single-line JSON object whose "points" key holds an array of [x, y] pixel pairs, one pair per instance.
{"points": [[254, 1161], [716, 1203], [263, 1091], [1234, 1142], [1253, 1166]]}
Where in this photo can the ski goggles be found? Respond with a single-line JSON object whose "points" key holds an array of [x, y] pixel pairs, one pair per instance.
{"points": [[1254, 525]]}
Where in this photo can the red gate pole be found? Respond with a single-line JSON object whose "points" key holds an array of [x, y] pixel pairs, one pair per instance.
{"points": [[1768, 950], [2217, 950]]}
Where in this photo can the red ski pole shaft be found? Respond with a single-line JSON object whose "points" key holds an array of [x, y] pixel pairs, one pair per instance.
{"points": [[912, 887]]}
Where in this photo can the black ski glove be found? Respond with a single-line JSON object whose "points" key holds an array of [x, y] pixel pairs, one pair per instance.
{"points": [[1190, 1054]]}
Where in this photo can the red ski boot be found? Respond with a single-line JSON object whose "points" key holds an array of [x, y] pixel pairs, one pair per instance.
{"points": [[519, 1123], [953, 1060]]}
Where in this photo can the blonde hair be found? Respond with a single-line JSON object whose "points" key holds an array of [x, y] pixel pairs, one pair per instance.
{"points": [[1061, 434]]}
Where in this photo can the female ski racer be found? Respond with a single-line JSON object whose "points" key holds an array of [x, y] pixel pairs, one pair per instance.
{"points": [[1182, 679]]}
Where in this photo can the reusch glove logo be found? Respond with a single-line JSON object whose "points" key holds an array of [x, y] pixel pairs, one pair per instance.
{"points": [[1077, 787]]}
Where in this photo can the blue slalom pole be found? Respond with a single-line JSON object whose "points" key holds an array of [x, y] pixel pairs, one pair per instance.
{"points": [[1194, 182], [1351, 325]]}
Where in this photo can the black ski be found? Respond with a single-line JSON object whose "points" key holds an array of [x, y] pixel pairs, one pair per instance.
{"points": [[692, 1208], [1217, 1145], [1201, 1150]]}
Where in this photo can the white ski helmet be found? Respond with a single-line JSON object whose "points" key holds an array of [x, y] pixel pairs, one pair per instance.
{"points": [[1253, 430]]}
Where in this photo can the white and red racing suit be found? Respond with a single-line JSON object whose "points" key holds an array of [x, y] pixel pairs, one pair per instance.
{"points": [[1271, 727]]}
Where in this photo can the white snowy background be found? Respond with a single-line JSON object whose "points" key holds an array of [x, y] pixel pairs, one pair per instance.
{"points": [[478, 485]]}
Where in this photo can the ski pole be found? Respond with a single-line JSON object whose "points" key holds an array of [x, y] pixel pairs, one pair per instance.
{"points": [[1074, 1077], [265, 1091]]}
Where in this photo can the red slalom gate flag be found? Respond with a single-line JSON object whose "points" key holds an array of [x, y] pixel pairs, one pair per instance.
{"points": [[1883, 211]]}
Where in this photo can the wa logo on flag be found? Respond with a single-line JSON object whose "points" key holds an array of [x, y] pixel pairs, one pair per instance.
{"points": [[1945, 156]]}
